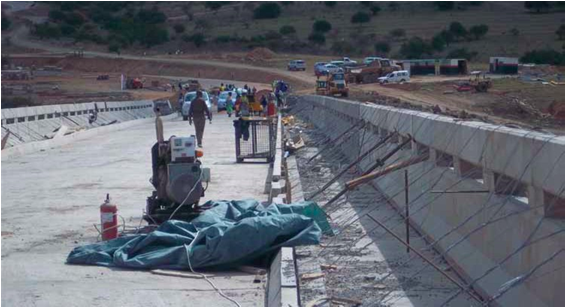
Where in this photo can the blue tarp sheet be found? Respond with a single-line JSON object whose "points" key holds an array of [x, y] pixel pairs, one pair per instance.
{"points": [[231, 233]]}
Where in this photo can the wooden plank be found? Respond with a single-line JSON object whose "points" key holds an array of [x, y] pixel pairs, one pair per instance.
{"points": [[179, 274]]}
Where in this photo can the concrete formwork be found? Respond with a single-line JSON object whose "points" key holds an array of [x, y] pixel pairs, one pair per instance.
{"points": [[476, 231]]}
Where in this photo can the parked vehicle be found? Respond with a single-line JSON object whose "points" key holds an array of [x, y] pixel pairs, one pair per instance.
{"points": [[221, 102], [371, 72], [371, 59], [348, 62], [332, 68], [187, 103], [395, 77], [338, 63], [319, 68], [296, 65]]}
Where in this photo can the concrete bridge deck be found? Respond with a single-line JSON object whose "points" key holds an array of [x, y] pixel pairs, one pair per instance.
{"points": [[50, 202]]}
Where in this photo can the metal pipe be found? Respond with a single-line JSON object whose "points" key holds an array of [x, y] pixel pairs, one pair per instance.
{"points": [[331, 142], [379, 162], [454, 192], [364, 155], [407, 209], [392, 168], [457, 283]]}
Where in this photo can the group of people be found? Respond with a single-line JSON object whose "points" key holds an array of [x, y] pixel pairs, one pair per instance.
{"points": [[240, 105]]}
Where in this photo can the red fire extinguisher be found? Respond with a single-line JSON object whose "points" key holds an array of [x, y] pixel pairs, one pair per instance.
{"points": [[108, 220]]}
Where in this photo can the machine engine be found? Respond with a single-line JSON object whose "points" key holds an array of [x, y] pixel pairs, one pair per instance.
{"points": [[178, 177]]}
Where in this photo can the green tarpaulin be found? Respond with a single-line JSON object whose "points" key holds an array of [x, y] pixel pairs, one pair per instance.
{"points": [[230, 233]]}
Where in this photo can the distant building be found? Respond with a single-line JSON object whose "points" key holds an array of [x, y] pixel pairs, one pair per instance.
{"points": [[434, 66], [504, 65]]}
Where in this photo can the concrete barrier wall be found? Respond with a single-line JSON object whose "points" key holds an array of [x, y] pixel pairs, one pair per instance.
{"points": [[31, 124], [476, 230]]}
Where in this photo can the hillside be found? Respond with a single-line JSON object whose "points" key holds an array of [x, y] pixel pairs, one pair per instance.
{"points": [[140, 27]]}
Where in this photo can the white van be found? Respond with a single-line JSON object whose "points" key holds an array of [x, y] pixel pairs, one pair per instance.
{"points": [[399, 76], [296, 65]]}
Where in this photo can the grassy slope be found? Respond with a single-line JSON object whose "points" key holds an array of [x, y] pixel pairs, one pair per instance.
{"points": [[418, 19]]}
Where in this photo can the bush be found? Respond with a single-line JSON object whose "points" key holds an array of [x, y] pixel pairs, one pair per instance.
{"points": [[330, 3], [5, 22], [46, 30], [223, 39], [398, 33], [462, 53], [179, 28], [342, 47], [322, 26], [538, 6], [56, 15], [215, 5], [375, 9], [268, 10], [547, 56], [478, 31], [415, 48], [447, 36], [457, 29], [360, 17], [66, 29], [287, 30], [153, 35], [560, 32], [317, 38], [198, 39], [444, 5], [114, 47], [382, 47], [153, 16], [438, 43], [74, 19], [514, 31]]}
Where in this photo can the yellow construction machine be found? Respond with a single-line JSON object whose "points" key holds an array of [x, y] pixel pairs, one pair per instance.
{"points": [[332, 84]]}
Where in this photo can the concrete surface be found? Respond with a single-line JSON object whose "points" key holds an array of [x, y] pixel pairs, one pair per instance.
{"points": [[51, 199], [535, 160]]}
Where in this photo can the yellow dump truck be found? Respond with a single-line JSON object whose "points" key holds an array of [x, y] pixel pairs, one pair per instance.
{"points": [[332, 84]]}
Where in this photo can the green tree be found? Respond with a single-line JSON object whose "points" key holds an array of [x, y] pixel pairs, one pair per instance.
{"points": [[462, 53], [74, 19], [375, 9], [382, 48], [438, 43], [267, 10], [478, 31], [317, 38], [547, 56], [179, 28], [415, 48], [538, 6], [152, 35], [287, 30], [360, 17], [447, 36], [66, 29], [444, 5], [153, 16], [330, 3], [457, 29], [560, 32], [322, 26], [46, 30]]}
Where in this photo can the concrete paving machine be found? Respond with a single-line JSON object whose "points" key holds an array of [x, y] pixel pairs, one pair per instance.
{"points": [[178, 177]]}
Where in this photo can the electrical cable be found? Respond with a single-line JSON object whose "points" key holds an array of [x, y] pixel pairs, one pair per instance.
{"points": [[219, 291]]}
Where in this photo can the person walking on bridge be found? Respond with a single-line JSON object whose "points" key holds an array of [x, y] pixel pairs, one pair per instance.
{"points": [[197, 112]]}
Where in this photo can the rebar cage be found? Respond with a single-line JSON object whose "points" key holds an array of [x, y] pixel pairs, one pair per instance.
{"points": [[255, 138]]}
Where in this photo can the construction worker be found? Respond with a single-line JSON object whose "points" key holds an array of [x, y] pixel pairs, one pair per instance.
{"points": [[222, 87], [197, 112], [229, 104]]}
